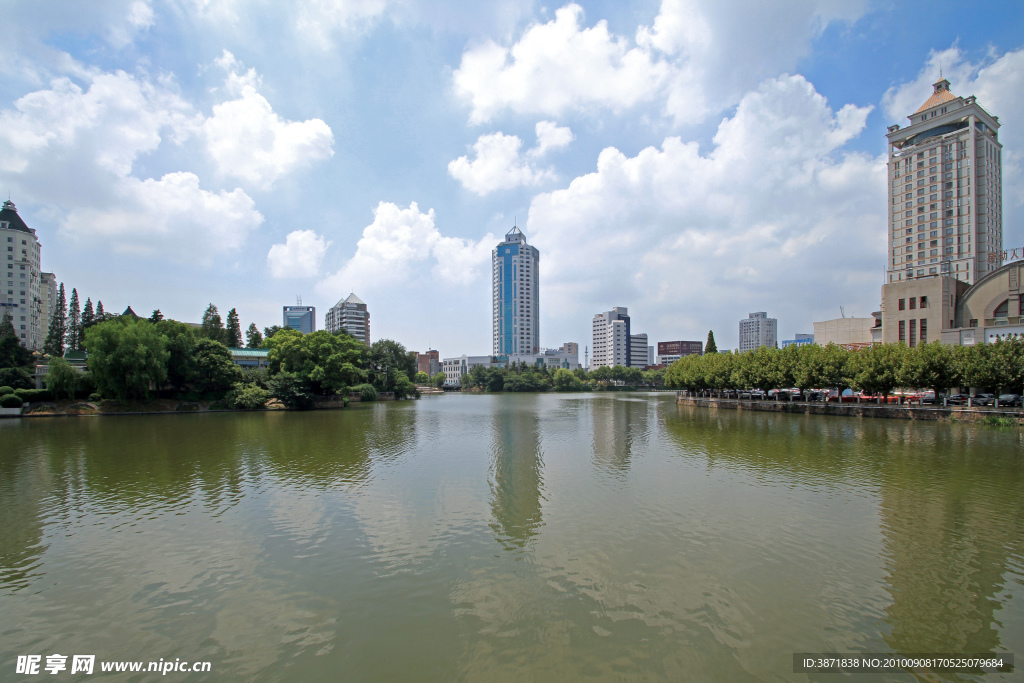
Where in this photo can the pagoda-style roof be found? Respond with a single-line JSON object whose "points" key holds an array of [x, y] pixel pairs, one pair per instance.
{"points": [[940, 95], [9, 215], [129, 312], [353, 299]]}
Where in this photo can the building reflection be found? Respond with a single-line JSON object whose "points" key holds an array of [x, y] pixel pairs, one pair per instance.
{"points": [[620, 425], [951, 543], [516, 477]]}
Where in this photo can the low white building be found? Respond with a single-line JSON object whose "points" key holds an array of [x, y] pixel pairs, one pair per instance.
{"points": [[455, 368]]}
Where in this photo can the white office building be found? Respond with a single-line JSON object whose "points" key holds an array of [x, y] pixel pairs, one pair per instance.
{"points": [[758, 330], [21, 278], [455, 368], [349, 314], [945, 191], [515, 294], [639, 351]]}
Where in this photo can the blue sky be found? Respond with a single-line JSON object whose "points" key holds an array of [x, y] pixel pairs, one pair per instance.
{"points": [[691, 160]]}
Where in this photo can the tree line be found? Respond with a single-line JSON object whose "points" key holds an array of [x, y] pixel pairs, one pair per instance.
{"points": [[140, 358], [877, 369], [519, 377]]}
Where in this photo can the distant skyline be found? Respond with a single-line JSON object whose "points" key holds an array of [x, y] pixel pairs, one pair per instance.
{"points": [[691, 160]]}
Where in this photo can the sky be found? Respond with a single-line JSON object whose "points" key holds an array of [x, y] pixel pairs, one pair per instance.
{"points": [[692, 160]]}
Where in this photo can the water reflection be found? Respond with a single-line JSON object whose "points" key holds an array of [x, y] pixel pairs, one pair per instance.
{"points": [[620, 426], [516, 474]]}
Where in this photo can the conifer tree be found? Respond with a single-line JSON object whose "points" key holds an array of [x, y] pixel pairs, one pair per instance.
{"points": [[213, 324], [253, 337], [100, 314], [88, 318], [710, 347], [7, 324], [74, 332], [233, 334], [156, 317], [54, 344]]}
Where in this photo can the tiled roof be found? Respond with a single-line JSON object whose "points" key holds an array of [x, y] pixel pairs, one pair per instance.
{"points": [[249, 353], [935, 100], [9, 215]]}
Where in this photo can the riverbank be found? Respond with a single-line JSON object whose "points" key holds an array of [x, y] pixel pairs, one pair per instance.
{"points": [[891, 412], [153, 407]]}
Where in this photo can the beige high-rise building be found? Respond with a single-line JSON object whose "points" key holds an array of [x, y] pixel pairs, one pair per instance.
{"points": [[945, 191], [20, 278]]}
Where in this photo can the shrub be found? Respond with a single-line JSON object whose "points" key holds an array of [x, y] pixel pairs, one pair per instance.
{"points": [[291, 390], [6, 390], [367, 392], [62, 379], [95, 398], [33, 395], [16, 378], [248, 396], [10, 401]]}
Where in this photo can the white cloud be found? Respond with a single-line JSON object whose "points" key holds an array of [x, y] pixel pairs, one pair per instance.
{"points": [[556, 67], [75, 150], [300, 255], [698, 57], [319, 20], [171, 217], [550, 136], [775, 216], [248, 140], [138, 18], [500, 166], [118, 118], [401, 242]]}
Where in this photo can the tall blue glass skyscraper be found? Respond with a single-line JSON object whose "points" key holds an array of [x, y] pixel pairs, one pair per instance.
{"points": [[515, 273]]}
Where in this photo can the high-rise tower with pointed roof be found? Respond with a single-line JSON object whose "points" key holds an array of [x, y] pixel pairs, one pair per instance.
{"points": [[20, 278], [515, 290], [945, 191], [349, 314]]}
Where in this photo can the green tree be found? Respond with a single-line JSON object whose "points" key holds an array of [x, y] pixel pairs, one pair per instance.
{"points": [[565, 380], [233, 334], [126, 358], [54, 344], [422, 378], [438, 379], [180, 341], [253, 338], [100, 314], [88, 318], [654, 378], [833, 371], [269, 332], [61, 378], [876, 369], [12, 353], [74, 322], [291, 390], [212, 326], [710, 346], [633, 376], [386, 361], [215, 372], [931, 366], [327, 363], [156, 317], [1005, 361]]}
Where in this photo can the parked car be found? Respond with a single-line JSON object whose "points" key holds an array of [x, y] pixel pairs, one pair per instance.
{"points": [[984, 399], [757, 394], [1010, 400], [928, 398], [956, 400]]}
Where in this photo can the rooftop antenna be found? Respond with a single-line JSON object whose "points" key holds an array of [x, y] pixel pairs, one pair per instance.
{"points": [[298, 300], [842, 312]]}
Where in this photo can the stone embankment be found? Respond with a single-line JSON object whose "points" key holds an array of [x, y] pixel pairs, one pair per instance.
{"points": [[894, 412]]}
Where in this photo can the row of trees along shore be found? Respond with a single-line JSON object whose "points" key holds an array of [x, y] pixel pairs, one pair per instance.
{"points": [[877, 369], [518, 377]]}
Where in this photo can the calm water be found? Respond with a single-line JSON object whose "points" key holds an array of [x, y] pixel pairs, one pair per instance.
{"points": [[507, 538]]}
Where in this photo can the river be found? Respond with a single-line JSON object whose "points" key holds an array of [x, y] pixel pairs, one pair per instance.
{"points": [[507, 537]]}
